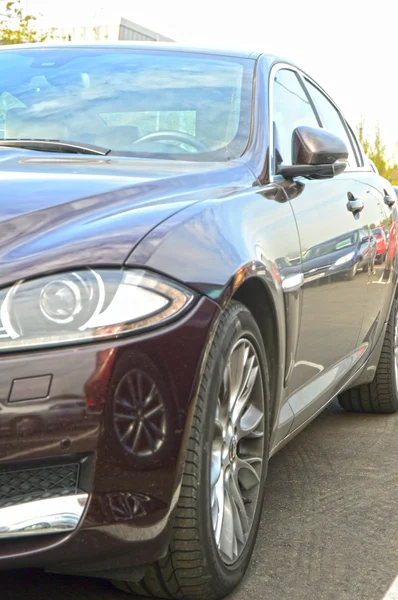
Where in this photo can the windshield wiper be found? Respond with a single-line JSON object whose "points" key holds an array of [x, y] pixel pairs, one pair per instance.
{"points": [[59, 146]]}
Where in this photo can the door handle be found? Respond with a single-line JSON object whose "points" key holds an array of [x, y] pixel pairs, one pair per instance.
{"points": [[354, 205]]}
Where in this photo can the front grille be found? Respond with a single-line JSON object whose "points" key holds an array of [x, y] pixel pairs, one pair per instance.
{"points": [[27, 485]]}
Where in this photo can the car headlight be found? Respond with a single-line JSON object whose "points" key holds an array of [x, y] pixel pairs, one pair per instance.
{"points": [[86, 305], [344, 259]]}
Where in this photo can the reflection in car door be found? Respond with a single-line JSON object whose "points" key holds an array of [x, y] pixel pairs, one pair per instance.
{"points": [[382, 277], [335, 286]]}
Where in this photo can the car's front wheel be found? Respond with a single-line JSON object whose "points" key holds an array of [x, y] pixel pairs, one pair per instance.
{"points": [[219, 510]]}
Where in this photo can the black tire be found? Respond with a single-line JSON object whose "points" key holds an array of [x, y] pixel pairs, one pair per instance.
{"points": [[381, 395], [193, 568]]}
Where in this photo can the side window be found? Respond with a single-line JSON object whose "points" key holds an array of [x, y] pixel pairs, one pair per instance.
{"points": [[331, 119], [291, 108], [363, 233]]}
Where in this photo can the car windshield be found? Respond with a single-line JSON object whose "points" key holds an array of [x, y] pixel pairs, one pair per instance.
{"points": [[141, 103], [331, 246]]}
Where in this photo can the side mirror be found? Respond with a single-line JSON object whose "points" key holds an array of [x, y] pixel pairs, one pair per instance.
{"points": [[365, 239], [316, 153]]}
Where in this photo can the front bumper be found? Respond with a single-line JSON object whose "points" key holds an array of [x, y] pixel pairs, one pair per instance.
{"points": [[65, 469]]}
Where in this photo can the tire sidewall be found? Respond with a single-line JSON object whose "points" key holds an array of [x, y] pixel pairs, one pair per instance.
{"points": [[391, 350], [240, 324]]}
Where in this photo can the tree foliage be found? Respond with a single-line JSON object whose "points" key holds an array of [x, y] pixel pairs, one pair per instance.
{"points": [[374, 149], [16, 27]]}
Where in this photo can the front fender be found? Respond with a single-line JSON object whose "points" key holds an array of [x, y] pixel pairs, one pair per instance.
{"points": [[215, 247]]}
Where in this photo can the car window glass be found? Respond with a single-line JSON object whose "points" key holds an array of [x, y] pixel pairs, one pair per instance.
{"points": [[291, 108], [330, 246], [139, 102], [331, 119]]}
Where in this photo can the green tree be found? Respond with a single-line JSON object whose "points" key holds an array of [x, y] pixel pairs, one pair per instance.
{"points": [[363, 140], [378, 154], [375, 149], [16, 27]]}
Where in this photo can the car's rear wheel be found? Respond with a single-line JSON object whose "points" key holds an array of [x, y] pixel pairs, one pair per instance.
{"points": [[219, 510], [381, 395]]}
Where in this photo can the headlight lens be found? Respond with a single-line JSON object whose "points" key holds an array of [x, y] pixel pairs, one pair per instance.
{"points": [[86, 305], [344, 259]]}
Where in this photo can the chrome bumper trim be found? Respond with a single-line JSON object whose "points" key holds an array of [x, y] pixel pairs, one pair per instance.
{"points": [[52, 515]]}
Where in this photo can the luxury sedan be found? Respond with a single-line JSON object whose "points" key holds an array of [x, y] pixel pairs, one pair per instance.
{"points": [[164, 214]]}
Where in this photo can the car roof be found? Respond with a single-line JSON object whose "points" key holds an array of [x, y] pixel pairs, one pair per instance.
{"points": [[162, 46]]}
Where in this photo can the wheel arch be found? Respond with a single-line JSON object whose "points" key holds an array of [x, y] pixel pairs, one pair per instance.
{"points": [[257, 297]]}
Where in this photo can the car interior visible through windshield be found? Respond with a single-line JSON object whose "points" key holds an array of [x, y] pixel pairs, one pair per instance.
{"points": [[142, 103]]}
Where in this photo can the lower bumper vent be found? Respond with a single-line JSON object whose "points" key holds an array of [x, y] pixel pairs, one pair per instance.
{"points": [[40, 483]]}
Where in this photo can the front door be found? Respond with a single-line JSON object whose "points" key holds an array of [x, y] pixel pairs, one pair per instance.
{"points": [[335, 255]]}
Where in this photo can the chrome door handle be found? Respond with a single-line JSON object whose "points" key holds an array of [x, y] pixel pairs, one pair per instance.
{"points": [[355, 205]]}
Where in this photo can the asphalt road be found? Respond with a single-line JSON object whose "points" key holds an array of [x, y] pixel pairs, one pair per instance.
{"points": [[330, 524]]}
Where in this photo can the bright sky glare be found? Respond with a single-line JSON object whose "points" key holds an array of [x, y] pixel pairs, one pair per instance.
{"points": [[350, 48]]}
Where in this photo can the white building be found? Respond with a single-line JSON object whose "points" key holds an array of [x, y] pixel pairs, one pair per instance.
{"points": [[120, 29]]}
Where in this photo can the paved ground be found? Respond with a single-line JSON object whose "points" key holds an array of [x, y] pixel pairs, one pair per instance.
{"points": [[330, 525]]}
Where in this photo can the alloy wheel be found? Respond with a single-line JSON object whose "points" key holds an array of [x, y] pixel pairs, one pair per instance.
{"points": [[237, 450]]}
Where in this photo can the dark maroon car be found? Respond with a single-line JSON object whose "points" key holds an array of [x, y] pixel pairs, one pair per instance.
{"points": [[162, 333]]}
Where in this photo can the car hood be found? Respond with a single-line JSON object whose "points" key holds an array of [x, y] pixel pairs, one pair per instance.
{"points": [[60, 211]]}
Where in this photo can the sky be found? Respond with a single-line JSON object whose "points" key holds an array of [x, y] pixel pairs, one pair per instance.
{"points": [[349, 47]]}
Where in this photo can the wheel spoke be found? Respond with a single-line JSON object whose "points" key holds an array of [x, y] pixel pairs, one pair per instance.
{"points": [[219, 419], [151, 395], [128, 431], [227, 536], [214, 509], [123, 403], [136, 437], [242, 522], [219, 491], [154, 411], [215, 468], [124, 417], [130, 384], [155, 429], [150, 440], [247, 475], [237, 365], [249, 422], [242, 401]]}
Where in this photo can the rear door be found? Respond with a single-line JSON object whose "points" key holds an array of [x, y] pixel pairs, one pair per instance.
{"points": [[375, 215], [335, 245]]}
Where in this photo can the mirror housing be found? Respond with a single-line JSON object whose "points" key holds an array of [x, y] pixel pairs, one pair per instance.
{"points": [[316, 153]]}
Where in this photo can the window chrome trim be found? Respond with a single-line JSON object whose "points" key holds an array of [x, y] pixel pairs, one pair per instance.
{"points": [[51, 515], [302, 75]]}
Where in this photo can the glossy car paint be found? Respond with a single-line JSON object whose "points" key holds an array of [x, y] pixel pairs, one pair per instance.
{"points": [[225, 230]]}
